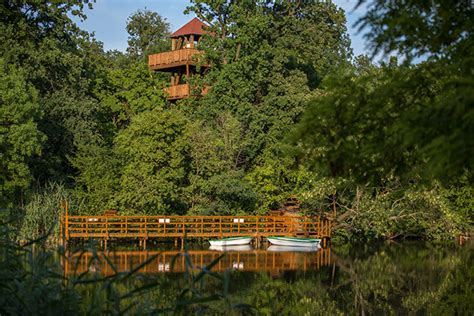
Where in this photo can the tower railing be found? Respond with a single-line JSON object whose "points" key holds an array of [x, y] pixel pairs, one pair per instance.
{"points": [[174, 58]]}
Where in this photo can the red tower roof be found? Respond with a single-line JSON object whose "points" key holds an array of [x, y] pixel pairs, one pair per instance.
{"points": [[195, 26]]}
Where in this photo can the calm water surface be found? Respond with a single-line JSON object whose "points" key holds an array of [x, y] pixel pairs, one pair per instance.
{"points": [[407, 278]]}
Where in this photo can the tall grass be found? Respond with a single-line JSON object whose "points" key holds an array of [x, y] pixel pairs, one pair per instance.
{"points": [[41, 215], [32, 282]]}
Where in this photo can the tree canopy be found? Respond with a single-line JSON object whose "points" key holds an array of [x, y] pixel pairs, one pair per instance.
{"points": [[148, 33], [289, 112], [412, 120]]}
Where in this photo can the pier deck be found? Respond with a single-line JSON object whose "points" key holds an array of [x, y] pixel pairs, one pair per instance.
{"points": [[146, 227]]}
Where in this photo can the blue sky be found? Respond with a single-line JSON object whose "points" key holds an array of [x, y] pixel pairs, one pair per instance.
{"points": [[108, 19]]}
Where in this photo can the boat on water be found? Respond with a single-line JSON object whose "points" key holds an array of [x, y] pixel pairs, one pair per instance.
{"points": [[232, 248], [233, 241], [274, 248], [294, 241]]}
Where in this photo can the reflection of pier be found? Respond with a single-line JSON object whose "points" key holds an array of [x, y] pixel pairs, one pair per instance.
{"points": [[175, 261]]}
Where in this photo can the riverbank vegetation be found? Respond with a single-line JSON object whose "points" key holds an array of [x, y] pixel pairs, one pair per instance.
{"points": [[290, 112]]}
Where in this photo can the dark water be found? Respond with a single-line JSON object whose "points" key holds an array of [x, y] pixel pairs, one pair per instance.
{"points": [[407, 278]]}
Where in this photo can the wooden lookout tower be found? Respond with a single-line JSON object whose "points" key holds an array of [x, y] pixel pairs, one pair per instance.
{"points": [[181, 60]]}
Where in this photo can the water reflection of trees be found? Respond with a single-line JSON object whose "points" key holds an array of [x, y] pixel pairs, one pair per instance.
{"points": [[403, 279], [406, 279]]}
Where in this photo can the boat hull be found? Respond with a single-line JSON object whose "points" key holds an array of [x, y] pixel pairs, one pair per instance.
{"points": [[236, 241], [294, 242], [232, 248]]}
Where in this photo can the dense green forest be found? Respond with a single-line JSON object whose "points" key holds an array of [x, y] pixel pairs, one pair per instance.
{"points": [[291, 112]]}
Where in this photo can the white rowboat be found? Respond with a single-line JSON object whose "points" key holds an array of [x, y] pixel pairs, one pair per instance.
{"points": [[232, 248], [294, 241], [234, 241]]}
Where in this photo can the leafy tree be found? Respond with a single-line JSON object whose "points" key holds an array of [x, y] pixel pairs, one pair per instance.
{"points": [[148, 33], [128, 89], [387, 129], [434, 29], [215, 184], [70, 119], [155, 151], [442, 32], [276, 175], [98, 180], [272, 55], [410, 121], [125, 90], [355, 128], [62, 62], [226, 193], [20, 138]]}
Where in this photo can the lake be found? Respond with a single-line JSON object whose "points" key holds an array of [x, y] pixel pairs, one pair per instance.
{"points": [[405, 278]]}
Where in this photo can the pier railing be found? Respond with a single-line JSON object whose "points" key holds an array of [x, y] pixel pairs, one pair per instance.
{"points": [[193, 226]]}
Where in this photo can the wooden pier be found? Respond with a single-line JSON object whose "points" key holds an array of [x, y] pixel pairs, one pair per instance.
{"points": [[109, 227]]}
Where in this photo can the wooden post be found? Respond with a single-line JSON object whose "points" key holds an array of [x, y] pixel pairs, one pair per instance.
{"points": [[306, 227], [191, 40], [256, 226], [330, 228], [319, 227], [220, 226], [323, 226], [187, 72], [67, 223], [326, 228], [61, 232], [146, 228], [173, 44]]}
